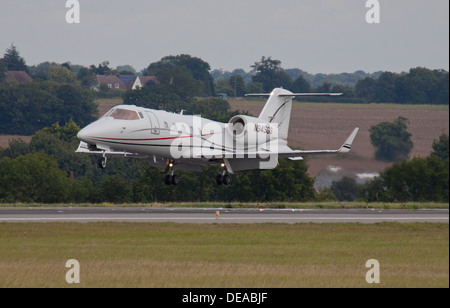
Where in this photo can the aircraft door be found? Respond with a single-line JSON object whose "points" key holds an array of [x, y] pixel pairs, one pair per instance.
{"points": [[154, 123]]}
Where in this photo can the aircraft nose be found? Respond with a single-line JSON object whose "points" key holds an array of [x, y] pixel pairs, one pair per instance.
{"points": [[84, 134], [81, 135]]}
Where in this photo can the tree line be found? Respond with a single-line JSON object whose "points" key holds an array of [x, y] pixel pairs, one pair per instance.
{"points": [[28, 107], [418, 86], [420, 179]]}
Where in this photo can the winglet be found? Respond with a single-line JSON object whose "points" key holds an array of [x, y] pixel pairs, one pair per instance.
{"points": [[346, 147]]}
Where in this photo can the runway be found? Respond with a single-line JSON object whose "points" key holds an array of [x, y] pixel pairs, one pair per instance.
{"points": [[220, 215]]}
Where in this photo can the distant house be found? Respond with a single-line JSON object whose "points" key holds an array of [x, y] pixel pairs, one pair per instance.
{"points": [[125, 82], [18, 76], [111, 81]]}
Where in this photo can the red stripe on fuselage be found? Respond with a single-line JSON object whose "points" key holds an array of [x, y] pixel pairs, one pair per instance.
{"points": [[154, 139]]}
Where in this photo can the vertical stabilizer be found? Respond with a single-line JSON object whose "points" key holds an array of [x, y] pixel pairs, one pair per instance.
{"points": [[278, 110]]}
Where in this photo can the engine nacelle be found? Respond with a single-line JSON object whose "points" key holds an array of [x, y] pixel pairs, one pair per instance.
{"points": [[251, 131]]}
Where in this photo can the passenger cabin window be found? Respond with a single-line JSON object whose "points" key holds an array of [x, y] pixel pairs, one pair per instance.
{"points": [[123, 114]]}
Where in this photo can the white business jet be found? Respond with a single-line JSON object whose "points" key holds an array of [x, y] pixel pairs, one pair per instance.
{"points": [[185, 142]]}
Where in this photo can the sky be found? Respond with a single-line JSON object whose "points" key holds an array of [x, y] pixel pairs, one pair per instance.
{"points": [[318, 36]]}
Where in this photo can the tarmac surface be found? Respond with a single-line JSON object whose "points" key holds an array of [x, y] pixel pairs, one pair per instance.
{"points": [[219, 215]]}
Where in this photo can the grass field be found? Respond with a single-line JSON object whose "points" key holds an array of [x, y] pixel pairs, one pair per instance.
{"points": [[205, 256]]}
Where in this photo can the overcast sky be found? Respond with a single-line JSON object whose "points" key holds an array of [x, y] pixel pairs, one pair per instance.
{"points": [[319, 36]]}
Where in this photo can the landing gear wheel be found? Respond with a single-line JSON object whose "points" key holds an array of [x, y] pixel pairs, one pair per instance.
{"points": [[102, 163], [175, 180], [223, 179], [171, 179], [226, 179]]}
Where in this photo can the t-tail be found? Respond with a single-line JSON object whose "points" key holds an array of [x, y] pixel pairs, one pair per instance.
{"points": [[279, 106]]}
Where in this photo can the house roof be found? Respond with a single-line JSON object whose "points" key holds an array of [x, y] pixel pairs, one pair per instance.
{"points": [[128, 80], [18, 76], [110, 80]]}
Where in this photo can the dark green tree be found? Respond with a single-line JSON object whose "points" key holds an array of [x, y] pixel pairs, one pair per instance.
{"points": [[179, 80], [237, 85], [418, 86], [115, 189], [347, 92], [365, 88], [254, 87], [345, 189], [86, 77], [27, 108], [215, 109], [210, 108], [160, 96], [103, 68], [440, 148], [418, 180], [32, 178], [198, 68], [269, 72], [392, 140], [300, 85], [16, 148], [3, 69], [61, 74], [13, 60]]}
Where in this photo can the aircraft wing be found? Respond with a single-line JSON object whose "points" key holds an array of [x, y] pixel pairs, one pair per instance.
{"points": [[283, 151]]}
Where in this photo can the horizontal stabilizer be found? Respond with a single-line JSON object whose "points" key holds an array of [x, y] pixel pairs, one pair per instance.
{"points": [[296, 94], [345, 148]]}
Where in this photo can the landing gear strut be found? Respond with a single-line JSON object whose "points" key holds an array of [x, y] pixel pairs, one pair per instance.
{"points": [[171, 178]]}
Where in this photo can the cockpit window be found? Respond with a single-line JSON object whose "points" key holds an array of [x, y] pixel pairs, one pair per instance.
{"points": [[107, 114], [124, 114]]}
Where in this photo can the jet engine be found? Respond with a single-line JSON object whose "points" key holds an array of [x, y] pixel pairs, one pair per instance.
{"points": [[250, 131]]}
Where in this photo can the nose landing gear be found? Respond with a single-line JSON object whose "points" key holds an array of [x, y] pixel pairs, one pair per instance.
{"points": [[102, 162]]}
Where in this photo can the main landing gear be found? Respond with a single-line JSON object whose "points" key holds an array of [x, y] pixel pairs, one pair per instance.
{"points": [[224, 178], [171, 178]]}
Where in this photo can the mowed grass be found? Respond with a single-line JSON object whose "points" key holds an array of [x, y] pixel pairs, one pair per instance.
{"points": [[205, 256]]}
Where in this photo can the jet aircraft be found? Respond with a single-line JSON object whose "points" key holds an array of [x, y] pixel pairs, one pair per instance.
{"points": [[176, 141]]}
